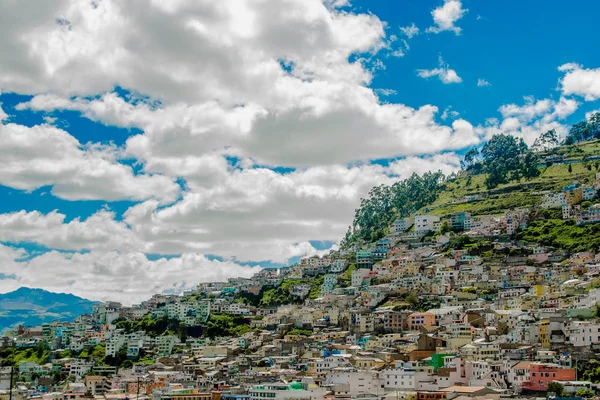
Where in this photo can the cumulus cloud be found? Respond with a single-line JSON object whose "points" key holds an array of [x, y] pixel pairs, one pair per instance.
{"points": [[447, 163], [483, 83], [126, 277], [44, 155], [264, 86], [223, 93], [446, 15], [244, 213], [443, 72], [98, 232], [531, 119], [273, 138], [3, 115], [580, 81]]}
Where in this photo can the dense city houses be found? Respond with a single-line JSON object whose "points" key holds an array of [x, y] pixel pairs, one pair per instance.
{"points": [[439, 308]]}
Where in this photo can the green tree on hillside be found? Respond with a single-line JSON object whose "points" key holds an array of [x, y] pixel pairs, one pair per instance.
{"points": [[385, 203], [470, 159], [546, 141], [505, 159], [584, 130]]}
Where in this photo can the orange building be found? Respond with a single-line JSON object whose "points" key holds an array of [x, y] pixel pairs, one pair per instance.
{"points": [[541, 375], [421, 319]]}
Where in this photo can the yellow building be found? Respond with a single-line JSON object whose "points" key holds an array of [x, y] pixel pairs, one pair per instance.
{"points": [[544, 327]]}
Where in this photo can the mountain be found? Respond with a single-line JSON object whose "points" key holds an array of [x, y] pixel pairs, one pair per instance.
{"points": [[30, 307]]}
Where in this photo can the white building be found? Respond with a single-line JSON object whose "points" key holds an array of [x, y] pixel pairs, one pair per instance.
{"points": [[582, 333], [398, 378], [332, 362], [285, 391], [425, 223], [165, 345], [352, 382], [358, 275], [553, 200], [114, 344], [339, 265]]}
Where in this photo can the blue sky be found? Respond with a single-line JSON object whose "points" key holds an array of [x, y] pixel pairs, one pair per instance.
{"points": [[191, 148], [515, 45]]}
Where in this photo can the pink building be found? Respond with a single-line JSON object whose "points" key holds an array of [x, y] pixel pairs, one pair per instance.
{"points": [[541, 375]]}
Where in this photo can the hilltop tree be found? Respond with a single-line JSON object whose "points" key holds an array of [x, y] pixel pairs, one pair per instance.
{"points": [[546, 141], [470, 159], [505, 159], [585, 130]]}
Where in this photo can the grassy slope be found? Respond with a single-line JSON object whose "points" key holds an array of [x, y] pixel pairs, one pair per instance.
{"points": [[507, 196]]}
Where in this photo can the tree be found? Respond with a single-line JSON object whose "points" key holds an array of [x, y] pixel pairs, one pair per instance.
{"points": [[505, 159], [412, 298], [585, 393], [546, 141], [470, 159], [570, 168], [579, 132], [594, 125], [386, 203], [445, 228], [182, 332], [556, 388]]}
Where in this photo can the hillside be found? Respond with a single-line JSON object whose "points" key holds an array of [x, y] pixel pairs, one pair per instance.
{"points": [[523, 193], [505, 174], [30, 307]]}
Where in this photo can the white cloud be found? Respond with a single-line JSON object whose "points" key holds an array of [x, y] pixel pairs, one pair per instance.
{"points": [[447, 163], [527, 112], [443, 72], [224, 50], [336, 3], [580, 81], [3, 115], [385, 92], [44, 155], [274, 138], [223, 84], [483, 83], [445, 17], [531, 119], [410, 31], [589, 114], [98, 232], [449, 113], [100, 275], [250, 213], [271, 83]]}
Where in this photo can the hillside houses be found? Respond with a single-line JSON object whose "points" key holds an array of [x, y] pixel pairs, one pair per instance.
{"points": [[476, 312]]}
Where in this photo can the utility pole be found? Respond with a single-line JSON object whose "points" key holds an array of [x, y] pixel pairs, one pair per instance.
{"points": [[10, 385], [137, 395]]}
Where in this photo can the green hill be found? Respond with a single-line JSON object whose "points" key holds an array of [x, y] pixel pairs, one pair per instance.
{"points": [[517, 194], [504, 176]]}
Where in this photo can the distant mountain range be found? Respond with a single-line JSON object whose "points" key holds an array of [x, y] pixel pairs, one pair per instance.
{"points": [[31, 307]]}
